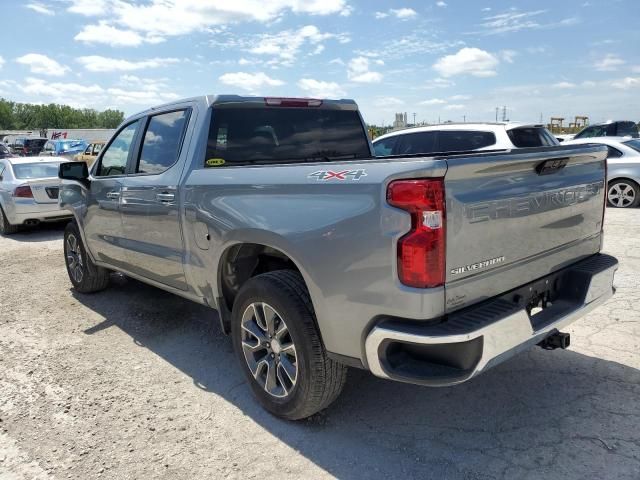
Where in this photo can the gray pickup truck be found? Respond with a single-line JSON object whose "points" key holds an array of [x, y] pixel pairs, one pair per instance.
{"points": [[319, 256]]}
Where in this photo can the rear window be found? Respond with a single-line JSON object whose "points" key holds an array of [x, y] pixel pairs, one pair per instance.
{"points": [[36, 170], [272, 135], [627, 128], [635, 144], [532, 137], [459, 141], [36, 142]]}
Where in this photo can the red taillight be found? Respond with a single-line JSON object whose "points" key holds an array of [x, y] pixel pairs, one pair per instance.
{"points": [[292, 102], [23, 192], [421, 252]]}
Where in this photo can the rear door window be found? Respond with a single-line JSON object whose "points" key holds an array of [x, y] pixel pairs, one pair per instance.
{"points": [[459, 141], [526, 137], [420, 142], [385, 146], [162, 142], [613, 152], [284, 135]]}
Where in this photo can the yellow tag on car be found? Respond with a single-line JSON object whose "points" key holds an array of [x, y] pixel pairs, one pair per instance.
{"points": [[214, 162]]}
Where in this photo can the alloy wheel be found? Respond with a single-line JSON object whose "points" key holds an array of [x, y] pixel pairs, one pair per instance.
{"points": [[74, 258], [621, 195], [269, 349]]}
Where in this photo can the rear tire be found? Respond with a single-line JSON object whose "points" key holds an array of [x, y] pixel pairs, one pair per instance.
{"points": [[7, 228], [85, 275], [622, 193], [279, 348]]}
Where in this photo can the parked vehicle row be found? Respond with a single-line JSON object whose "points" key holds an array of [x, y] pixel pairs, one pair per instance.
{"points": [[319, 255], [63, 148]]}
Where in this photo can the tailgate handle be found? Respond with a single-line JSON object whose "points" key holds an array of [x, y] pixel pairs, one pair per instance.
{"points": [[551, 166]]}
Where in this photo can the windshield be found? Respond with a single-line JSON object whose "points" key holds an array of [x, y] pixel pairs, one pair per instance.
{"points": [[635, 144], [269, 135], [36, 170]]}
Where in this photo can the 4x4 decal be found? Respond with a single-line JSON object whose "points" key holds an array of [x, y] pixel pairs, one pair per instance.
{"points": [[342, 175]]}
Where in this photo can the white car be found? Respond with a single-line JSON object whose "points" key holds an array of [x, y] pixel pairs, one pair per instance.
{"points": [[463, 137], [623, 169], [29, 189]]}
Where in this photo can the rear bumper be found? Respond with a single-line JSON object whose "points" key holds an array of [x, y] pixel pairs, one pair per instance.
{"points": [[475, 339], [27, 209]]}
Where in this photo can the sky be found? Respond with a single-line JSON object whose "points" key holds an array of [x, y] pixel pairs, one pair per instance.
{"points": [[440, 60]]}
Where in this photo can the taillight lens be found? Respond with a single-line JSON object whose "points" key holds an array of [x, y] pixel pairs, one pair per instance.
{"points": [[421, 252], [23, 192]]}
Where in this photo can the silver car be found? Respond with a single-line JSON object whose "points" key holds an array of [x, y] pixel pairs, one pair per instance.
{"points": [[623, 174], [29, 189]]}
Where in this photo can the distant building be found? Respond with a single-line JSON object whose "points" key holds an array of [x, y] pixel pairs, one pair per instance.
{"points": [[400, 121]]}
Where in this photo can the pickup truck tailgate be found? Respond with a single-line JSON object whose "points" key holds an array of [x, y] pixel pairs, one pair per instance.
{"points": [[517, 216]]}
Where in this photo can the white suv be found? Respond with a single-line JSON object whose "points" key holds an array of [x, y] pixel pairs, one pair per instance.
{"points": [[463, 137]]}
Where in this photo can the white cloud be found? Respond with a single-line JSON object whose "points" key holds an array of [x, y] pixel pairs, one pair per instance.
{"points": [[433, 101], [627, 82], [1, 61], [454, 106], [244, 61], [609, 63], [403, 13], [388, 102], [460, 97], [250, 82], [97, 63], [471, 61], [320, 89], [109, 35], [157, 19], [285, 45], [40, 8], [73, 94], [441, 4], [508, 55], [563, 85], [438, 83], [400, 13], [514, 20], [636, 69], [358, 71], [42, 64]]}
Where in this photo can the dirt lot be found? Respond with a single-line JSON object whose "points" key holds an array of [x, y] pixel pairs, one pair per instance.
{"points": [[135, 383]]}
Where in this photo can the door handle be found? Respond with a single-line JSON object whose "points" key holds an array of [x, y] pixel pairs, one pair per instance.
{"points": [[165, 197], [113, 195]]}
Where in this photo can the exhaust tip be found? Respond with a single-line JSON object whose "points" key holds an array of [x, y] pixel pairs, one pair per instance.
{"points": [[32, 222], [556, 340]]}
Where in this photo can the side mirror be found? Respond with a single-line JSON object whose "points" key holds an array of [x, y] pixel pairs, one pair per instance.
{"points": [[77, 171]]}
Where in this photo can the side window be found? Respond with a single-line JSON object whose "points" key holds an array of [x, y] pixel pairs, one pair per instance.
{"points": [[1, 170], [423, 142], [114, 159], [88, 150], [49, 147], [613, 152], [460, 141], [385, 147], [162, 142], [96, 148]]}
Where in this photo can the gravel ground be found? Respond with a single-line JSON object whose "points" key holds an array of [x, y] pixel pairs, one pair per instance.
{"points": [[136, 383]]}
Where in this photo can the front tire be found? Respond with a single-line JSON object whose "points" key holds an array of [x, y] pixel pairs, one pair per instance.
{"points": [[7, 228], [279, 348], [623, 194], [85, 275]]}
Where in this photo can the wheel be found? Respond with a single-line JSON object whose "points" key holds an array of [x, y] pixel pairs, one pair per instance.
{"points": [[623, 193], [279, 348], [85, 276], [7, 228]]}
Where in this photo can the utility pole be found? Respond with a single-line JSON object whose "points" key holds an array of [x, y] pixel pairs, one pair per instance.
{"points": [[464, 119], [497, 110], [504, 113], [414, 119]]}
